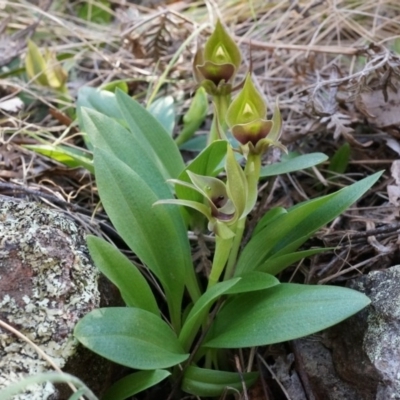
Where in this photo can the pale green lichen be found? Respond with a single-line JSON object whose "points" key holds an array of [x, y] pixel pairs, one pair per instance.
{"points": [[44, 263]]}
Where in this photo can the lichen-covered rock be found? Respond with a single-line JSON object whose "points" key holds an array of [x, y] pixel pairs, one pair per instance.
{"points": [[366, 348], [359, 358], [47, 283]]}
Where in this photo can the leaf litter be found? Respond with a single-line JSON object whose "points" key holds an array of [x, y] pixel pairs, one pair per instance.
{"points": [[334, 66]]}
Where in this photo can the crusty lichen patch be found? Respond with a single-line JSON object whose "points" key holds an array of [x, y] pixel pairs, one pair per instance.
{"points": [[47, 283]]}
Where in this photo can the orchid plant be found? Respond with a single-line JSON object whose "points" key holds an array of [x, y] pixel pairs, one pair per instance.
{"points": [[182, 326]]}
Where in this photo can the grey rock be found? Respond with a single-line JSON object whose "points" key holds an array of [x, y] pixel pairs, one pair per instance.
{"points": [[366, 348], [321, 378], [358, 359], [47, 283]]}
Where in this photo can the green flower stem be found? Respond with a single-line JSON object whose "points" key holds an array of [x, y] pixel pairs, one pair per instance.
{"points": [[237, 241], [222, 250], [252, 172], [221, 104]]}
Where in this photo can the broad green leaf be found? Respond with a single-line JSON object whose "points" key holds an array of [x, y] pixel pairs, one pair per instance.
{"points": [[253, 281], [196, 144], [144, 125], [67, 156], [102, 101], [267, 218], [134, 383], [130, 336], [137, 155], [107, 134], [209, 382], [275, 264], [123, 274], [293, 164], [163, 109], [284, 312], [301, 220], [156, 234], [200, 310]]}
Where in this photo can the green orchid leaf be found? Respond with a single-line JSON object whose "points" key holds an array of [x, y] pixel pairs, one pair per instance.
{"points": [[56, 75], [276, 264], [142, 124], [340, 160], [200, 310], [133, 287], [134, 383], [102, 101], [253, 281], [130, 336], [210, 382], [268, 217], [196, 144], [163, 110], [107, 134], [293, 164], [68, 156], [194, 117], [36, 65], [157, 235], [302, 220], [283, 312]]}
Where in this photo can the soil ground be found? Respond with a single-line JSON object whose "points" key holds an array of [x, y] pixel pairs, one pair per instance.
{"points": [[334, 65]]}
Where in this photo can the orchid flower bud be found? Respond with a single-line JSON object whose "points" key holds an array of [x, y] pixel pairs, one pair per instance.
{"points": [[216, 66], [246, 119]]}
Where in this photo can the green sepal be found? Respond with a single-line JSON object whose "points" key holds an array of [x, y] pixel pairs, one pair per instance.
{"points": [[219, 62], [247, 107], [236, 184]]}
